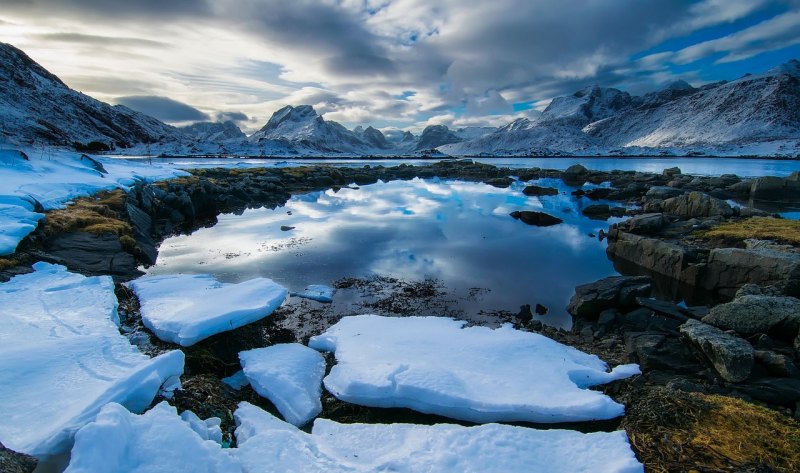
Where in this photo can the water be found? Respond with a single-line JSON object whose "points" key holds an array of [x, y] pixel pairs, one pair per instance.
{"points": [[457, 233], [689, 165]]}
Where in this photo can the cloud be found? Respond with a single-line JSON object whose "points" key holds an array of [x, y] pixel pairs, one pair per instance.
{"points": [[100, 40], [231, 116], [155, 9], [163, 108]]}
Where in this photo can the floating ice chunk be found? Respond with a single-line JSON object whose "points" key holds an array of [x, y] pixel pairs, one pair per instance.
{"points": [[185, 309], [289, 375], [236, 381], [267, 444], [62, 358], [157, 441], [434, 365], [317, 292]]}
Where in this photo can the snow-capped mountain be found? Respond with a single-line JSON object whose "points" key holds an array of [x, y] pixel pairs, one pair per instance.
{"points": [[302, 126], [755, 114], [434, 136], [36, 107], [214, 132], [373, 137]]}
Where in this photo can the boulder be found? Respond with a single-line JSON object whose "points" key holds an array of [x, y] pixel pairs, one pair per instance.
{"points": [[613, 292], [653, 254], [775, 189], [500, 182], [644, 224], [597, 212], [732, 357], [657, 351], [669, 309], [776, 364], [538, 219], [728, 269], [670, 172], [695, 205], [663, 192], [91, 254], [536, 190], [752, 314], [781, 391]]}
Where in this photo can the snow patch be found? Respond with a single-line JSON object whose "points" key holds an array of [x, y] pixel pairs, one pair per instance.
{"points": [[317, 292]]}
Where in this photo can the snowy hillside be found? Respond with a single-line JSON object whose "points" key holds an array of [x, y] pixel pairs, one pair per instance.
{"points": [[756, 114], [36, 107]]}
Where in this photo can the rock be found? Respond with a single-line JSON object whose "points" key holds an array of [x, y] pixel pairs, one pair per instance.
{"points": [[747, 212], [607, 318], [776, 364], [663, 192], [644, 224], [663, 307], [540, 309], [500, 182], [657, 351], [645, 320], [728, 269], [286, 228], [752, 314], [587, 334], [653, 254], [731, 356], [599, 193], [87, 253], [755, 290], [781, 391], [775, 189], [13, 462], [670, 172], [695, 205], [575, 170], [525, 315], [536, 190], [608, 293], [597, 212], [538, 219]]}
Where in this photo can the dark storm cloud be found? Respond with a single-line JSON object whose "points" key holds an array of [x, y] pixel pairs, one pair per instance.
{"points": [[163, 108], [231, 116], [156, 9], [337, 35]]}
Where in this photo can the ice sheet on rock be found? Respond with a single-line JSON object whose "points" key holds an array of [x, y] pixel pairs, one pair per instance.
{"points": [[267, 444], [317, 292], [17, 220], [289, 375], [434, 365], [157, 441], [62, 358], [185, 309]]}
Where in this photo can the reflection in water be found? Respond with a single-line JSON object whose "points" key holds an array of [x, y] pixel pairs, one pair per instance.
{"points": [[459, 233]]}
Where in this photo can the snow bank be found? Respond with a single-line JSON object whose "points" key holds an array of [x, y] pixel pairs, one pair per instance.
{"points": [[62, 358], [289, 375], [267, 444], [185, 309], [56, 179], [157, 441], [434, 365], [317, 292]]}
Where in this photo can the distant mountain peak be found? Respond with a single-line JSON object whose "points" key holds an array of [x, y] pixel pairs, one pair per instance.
{"points": [[791, 67], [678, 85]]}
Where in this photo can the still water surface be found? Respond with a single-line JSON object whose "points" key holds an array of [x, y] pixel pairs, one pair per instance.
{"points": [[458, 233]]}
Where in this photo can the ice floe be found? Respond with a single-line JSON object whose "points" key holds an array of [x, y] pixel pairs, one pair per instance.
{"points": [[289, 375], [62, 358], [267, 444], [236, 381], [185, 308], [317, 292], [435, 365], [157, 441]]}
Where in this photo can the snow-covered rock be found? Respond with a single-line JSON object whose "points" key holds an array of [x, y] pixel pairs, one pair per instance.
{"points": [[62, 358], [267, 444], [434, 136], [154, 442], [289, 375], [317, 292], [435, 365], [185, 309], [53, 179], [236, 381]]}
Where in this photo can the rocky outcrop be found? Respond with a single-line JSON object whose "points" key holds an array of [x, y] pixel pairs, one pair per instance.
{"points": [[536, 191], [728, 269], [644, 224], [775, 189], [696, 205], [615, 292], [653, 254], [13, 462], [731, 356]]}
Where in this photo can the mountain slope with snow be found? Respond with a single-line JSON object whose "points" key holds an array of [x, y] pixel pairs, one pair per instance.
{"points": [[36, 107]]}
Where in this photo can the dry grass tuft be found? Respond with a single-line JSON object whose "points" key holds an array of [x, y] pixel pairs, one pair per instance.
{"points": [[761, 228], [676, 431], [7, 263], [98, 215]]}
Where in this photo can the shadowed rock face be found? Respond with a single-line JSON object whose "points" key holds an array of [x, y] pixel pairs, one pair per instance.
{"points": [[610, 293], [731, 356], [696, 205], [13, 462], [538, 219], [728, 269]]}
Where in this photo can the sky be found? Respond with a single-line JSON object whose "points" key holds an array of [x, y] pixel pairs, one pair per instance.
{"points": [[392, 64]]}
